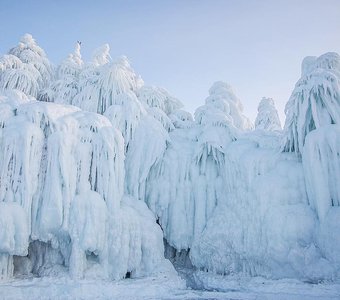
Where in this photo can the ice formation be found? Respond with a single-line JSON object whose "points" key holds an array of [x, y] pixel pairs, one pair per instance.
{"points": [[267, 116], [315, 100], [101, 169], [25, 67], [62, 187]]}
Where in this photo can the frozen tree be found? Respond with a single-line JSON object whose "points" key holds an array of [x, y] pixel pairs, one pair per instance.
{"points": [[267, 116], [160, 98], [222, 97], [101, 55], [182, 119], [315, 101], [66, 86], [113, 79], [312, 131], [26, 68]]}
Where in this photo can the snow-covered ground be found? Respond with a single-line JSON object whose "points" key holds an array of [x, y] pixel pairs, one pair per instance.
{"points": [[167, 287]]}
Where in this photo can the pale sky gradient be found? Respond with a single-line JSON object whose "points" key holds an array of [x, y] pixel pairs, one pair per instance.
{"points": [[184, 46]]}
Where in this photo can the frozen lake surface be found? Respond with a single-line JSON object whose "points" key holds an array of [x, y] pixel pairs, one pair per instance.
{"points": [[165, 287]]}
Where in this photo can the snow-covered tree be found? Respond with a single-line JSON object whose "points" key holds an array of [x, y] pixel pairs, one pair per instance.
{"points": [[66, 86], [315, 101], [113, 79], [26, 68], [222, 97], [160, 98], [267, 116]]}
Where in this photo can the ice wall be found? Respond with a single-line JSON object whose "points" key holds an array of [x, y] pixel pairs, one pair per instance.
{"points": [[180, 175], [62, 185], [82, 192], [264, 226]]}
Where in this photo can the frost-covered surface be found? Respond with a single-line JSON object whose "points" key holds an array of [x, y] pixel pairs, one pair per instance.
{"points": [[97, 172], [167, 287], [267, 116]]}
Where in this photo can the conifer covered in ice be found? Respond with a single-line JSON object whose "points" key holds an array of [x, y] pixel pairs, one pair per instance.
{"points": [[160, 98], [67, 85], [315, 101], [267, 116], [113, 79], [25, 68], [222, 97]]}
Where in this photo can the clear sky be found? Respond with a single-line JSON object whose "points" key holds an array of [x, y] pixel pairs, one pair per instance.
{"points": [[185, 45]]}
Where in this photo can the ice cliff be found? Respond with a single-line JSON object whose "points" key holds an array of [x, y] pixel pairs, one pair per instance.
{"points": [[96, 168]]}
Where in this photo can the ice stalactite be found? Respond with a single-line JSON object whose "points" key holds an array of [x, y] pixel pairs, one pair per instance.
{"points": [[264, 226], [181, 179], [322, 168], [64, 169], [321, 165], [14, 235]]}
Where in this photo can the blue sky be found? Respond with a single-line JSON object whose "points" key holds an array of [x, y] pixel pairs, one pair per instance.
{"points": [[184, 46]]}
